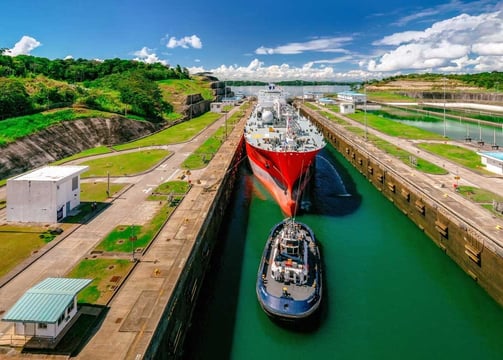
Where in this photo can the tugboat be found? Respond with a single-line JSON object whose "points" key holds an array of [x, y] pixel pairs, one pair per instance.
{"points": [[281, 146], [289, 279]]}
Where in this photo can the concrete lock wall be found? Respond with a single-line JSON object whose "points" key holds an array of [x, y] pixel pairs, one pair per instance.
{"points": [[168, 339], [452, 232]]}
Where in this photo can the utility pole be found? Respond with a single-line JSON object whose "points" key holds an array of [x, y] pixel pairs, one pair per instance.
{"points": [[365, 107], [444, 111]]}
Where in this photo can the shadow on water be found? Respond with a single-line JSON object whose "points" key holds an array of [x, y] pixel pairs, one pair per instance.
{"points": [[220, 290], [214, 320], [332, 191]]}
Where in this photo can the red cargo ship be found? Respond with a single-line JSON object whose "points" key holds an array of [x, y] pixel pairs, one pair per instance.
{"points": [[281, 146]]}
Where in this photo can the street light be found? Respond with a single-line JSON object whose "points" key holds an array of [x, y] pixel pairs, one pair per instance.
{"points": [[365, 108], [444, 110], [225, 111]]}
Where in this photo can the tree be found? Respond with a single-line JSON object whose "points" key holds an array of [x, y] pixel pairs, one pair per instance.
{"points": [[14, 99]]}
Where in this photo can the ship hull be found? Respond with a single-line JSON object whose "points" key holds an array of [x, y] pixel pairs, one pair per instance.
{"points": [[284, 174]]}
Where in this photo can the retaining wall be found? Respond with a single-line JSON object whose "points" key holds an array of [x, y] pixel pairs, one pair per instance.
{"points": [[459, 232]]}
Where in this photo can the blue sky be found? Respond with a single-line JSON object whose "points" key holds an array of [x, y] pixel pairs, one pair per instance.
{"points": [[266, 40]]}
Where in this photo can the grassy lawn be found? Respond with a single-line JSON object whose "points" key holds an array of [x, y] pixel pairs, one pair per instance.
{"points": [[481, 196], [17, 243], [97, 191], [402, 155], [124, 164], [457, 154], [203, 155], [174, 134], [173, 191], [387, 96], [103, 272], [333, 118], [125, 238], [394, 128], [89, 152]]}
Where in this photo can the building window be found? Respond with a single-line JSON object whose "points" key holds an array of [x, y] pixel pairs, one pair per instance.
{"points": [[70, 307], [42, 326], [75, 183]]}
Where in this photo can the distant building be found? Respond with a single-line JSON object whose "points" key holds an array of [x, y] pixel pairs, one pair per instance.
{"points": [[326, 101], [493, 161], [47, 310], [45, 195], [352, 96], [347, 107], [216, 107], [312, 95]]}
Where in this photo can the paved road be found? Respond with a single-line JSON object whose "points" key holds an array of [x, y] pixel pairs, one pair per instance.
{"points": [[129, 208]]}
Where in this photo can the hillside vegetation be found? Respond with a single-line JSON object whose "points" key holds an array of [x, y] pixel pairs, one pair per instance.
{"points": [[37, 92], [32, 84], [481, 82]]}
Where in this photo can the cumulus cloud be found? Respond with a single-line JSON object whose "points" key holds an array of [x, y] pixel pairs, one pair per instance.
{"points": [[456, 44], [147, 55], [320, 45], [188, 41], [256, 70], [23, 46]]}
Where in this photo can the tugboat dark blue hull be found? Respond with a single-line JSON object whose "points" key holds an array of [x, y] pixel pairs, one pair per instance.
{"points": [[289, 282]]}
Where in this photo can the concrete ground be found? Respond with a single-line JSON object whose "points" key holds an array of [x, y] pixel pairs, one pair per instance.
{"points": [[135, 309]]}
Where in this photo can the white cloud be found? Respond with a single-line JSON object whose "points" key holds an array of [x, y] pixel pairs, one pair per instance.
{"points": [[23, 46], [456, 44], [147, 55], [321, 45], [256, 70], [188, 41]]}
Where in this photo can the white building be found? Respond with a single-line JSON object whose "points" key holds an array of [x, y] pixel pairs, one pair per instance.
{"points": [[493, 161], [45, 195], [347, 107], [216, 107], [47, 310], [352, 96]]}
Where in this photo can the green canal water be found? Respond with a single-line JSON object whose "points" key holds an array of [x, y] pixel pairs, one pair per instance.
{"points": [[389, 292]]}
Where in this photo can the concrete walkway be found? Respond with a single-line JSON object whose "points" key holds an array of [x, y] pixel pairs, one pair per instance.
{"points": [[130, 208]]}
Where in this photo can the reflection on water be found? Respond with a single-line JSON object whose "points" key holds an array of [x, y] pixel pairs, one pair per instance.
{"points": [[461, 130]]}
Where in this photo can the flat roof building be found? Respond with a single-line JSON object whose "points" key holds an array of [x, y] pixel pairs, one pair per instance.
{"points": [[493, 161], [47, 194], [352, 96]]}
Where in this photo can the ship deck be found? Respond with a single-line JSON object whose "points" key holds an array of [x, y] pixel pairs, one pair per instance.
{"points": [[296, 292]]}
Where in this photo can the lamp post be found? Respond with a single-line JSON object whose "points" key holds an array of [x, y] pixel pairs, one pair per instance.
{"points": [[365, 107], [444, 110], [225, 111]]}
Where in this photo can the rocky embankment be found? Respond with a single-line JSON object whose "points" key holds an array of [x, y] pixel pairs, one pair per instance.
{"points": [[68, 138]]}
